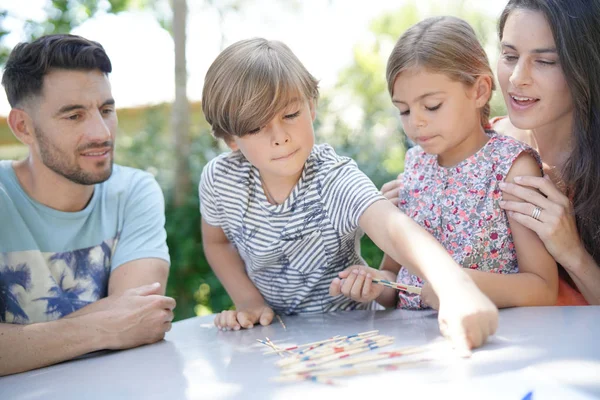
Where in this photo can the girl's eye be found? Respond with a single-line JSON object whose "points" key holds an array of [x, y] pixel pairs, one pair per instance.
{"points": [[510, 57], [434, 107], [543, 62], [404, 113], [292, 116]]}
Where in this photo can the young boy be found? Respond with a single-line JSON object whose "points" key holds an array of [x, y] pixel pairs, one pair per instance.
{"points": [[281, 216]]}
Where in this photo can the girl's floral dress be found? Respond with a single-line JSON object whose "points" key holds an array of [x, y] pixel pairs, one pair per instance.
{"points": [[459, 206]]}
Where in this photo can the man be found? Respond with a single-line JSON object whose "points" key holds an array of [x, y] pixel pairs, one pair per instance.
{"points": [[83, 255]]}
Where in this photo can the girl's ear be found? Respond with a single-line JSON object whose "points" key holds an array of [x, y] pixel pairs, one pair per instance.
{"points": [[483, 90]]}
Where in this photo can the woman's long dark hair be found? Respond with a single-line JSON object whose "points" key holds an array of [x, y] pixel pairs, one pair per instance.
{"points": [[575, 25]]}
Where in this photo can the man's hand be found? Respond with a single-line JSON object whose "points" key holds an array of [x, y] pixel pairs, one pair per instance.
{"points": [[244, 318], [136, 317]]}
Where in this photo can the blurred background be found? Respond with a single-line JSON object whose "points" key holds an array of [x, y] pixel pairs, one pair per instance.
{"points": [[161, 50]]}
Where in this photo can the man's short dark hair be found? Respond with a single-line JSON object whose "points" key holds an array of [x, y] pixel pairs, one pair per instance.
{"points": [[28, 63]]}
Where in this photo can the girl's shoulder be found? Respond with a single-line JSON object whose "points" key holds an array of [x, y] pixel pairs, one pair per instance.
{"points": [[504, 150]]}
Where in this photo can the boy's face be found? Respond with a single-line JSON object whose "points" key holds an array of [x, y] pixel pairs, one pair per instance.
{"points": [[280, 148]]}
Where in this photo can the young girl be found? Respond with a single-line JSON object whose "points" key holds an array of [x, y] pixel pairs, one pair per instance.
{"points": [[281, 215], [440, 81]]}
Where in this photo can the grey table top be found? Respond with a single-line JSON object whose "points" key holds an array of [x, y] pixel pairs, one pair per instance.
{"points": [[552, 351]]}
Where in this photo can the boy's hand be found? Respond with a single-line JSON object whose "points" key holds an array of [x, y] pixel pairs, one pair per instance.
{"points": [[467, 317], [429, 297], [356, 282], [244, 318]]}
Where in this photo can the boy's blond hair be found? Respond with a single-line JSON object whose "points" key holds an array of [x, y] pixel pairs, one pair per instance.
{"points": [[250, 83], [446, 45]]}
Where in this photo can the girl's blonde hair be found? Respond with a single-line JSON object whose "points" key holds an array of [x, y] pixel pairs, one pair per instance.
{"points": [[250, 83], [446, 45]]}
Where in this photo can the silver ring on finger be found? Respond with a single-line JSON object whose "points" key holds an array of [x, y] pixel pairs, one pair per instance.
{"points": [[536, 213]]}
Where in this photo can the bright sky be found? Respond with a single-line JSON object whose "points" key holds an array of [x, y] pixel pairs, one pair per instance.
{"points": [[322, 33]]}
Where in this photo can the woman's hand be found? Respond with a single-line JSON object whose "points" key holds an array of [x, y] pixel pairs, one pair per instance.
{"points": [[549, 214], [391, 190]]}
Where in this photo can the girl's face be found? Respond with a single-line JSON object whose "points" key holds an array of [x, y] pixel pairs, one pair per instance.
{"points": [[440, 114], [530, 75]]}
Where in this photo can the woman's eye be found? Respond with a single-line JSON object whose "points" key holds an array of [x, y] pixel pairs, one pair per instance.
{"points": [[434, 107]]}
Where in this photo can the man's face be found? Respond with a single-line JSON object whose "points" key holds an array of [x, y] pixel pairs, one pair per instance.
{"points": [[74, 125]]}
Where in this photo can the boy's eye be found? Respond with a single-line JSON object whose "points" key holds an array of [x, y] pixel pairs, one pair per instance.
{"points": [[73, 117], [510, 57], [292, 116], [253, 131], [434, 107], [404, 112]]}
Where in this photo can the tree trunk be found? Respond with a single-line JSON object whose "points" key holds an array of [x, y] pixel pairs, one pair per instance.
{"points": [[180, 112]]}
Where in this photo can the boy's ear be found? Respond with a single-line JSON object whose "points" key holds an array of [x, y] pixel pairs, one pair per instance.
{"points": [[313, 109], [21, 125], [229, 140], [483, 90]]}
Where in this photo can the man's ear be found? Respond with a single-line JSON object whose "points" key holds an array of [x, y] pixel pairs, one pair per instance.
{"points": [[483, 90], [21, 125]]}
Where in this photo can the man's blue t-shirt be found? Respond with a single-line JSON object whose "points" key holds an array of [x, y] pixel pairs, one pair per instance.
{"points": [[53, 263]]}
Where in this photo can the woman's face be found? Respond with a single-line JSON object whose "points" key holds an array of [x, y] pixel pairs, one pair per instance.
{"points": [[530, 75]]}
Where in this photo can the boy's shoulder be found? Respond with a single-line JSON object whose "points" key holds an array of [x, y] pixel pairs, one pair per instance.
{"points": [[225, 163], [325, 158]]}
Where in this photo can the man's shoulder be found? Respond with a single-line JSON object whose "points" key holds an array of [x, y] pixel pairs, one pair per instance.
{"points": [[128, 181]]}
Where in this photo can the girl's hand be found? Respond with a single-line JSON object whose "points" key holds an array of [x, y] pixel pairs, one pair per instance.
{"points": [[429, 297], [391, 191], [356, 283], [467, 317], [553, 220], [244, 318]]}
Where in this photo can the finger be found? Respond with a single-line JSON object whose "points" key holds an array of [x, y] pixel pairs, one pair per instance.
{"points": [[357, 287], [267, 316], [524, 208], [348, 283], [390, 186], [336, 287], [217, 321], [527, 221], [526, 194], [544, 185], [231, 320], [395, 201], [344, 274], [168, 303], [246, 319], [367, 286], [461, 342], [167, 316], [144, 290]]}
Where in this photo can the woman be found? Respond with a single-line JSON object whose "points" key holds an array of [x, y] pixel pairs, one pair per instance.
{"points": [[548, 75]]}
